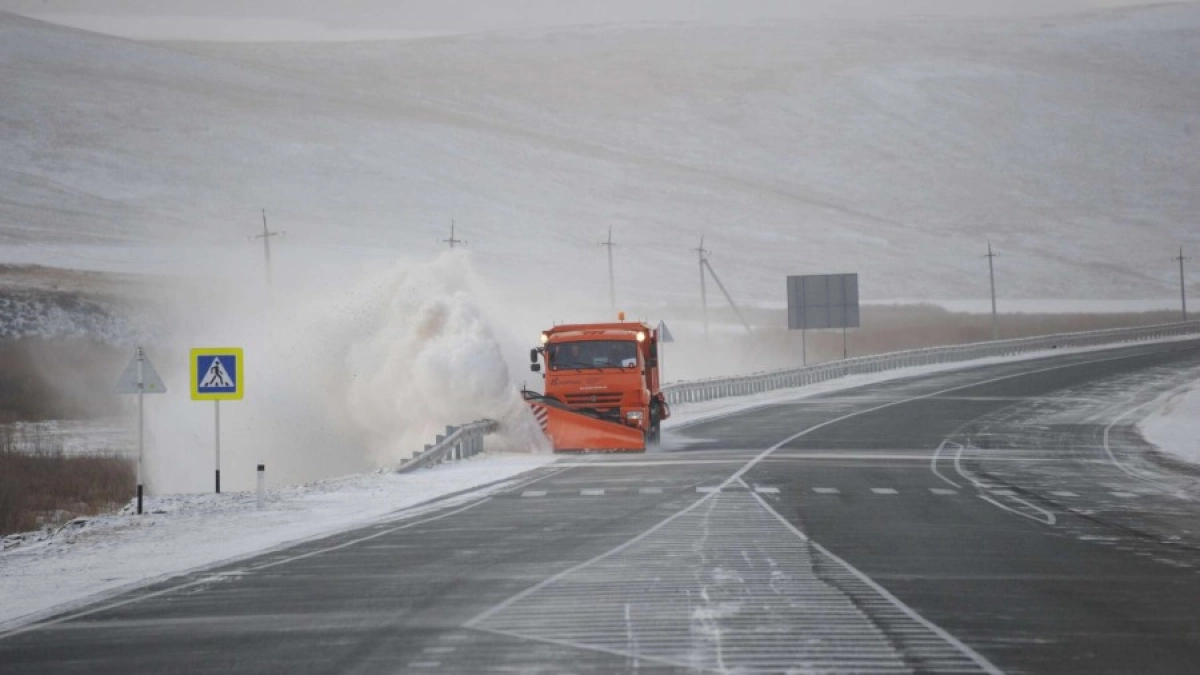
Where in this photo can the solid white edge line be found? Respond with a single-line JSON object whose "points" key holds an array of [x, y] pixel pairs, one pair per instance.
{"points": [[933, 462], [975, 656]]}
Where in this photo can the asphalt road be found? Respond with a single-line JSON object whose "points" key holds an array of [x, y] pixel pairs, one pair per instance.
{"points": [[1003, 518]]}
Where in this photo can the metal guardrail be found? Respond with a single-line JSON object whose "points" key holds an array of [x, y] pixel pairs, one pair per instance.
{"points": [[457, 443], [757, 383]]}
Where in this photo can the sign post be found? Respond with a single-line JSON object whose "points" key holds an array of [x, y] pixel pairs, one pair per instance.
{"points": [[139, 377], [217, 375]]}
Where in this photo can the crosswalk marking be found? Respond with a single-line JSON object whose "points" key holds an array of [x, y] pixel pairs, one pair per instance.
{"points": [[884, 491], [534, 493]]}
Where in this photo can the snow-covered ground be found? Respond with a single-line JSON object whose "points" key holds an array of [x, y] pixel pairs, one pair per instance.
{"points": [[890, 147], [1174, 425], [101, 556]]}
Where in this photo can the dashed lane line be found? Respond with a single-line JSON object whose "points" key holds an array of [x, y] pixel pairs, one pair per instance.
{"points": [[884, 491]]}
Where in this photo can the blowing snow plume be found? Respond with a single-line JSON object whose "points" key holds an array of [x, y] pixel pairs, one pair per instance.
{"points": [[428, 359], [339, 381]]}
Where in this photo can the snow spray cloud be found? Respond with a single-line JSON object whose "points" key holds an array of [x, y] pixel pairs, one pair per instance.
{"points": [[429, 359], [340, 381]]}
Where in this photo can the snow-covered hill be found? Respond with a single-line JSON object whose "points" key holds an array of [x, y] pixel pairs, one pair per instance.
{"points": [[894, 148]]}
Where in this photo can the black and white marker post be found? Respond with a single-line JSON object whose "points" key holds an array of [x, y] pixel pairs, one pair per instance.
{"points": [[217, 410], [139, 377], [262, 485]]}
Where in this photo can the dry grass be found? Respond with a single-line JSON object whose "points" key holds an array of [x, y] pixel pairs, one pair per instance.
{"points": [[47, 487]]}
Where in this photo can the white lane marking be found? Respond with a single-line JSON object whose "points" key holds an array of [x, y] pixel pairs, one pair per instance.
{"points": [[884, 491], [766, 490], [649, 491], [826, 491], [979, 660], [943, 491], [1124, 495], [933, 462], [424, 664], [705, 489], [591, 492], [601, 464], [1063, 493], [1004, 493], [979, 485], [440, 650], [1108, 449], [534, 493], [1049, 517]]}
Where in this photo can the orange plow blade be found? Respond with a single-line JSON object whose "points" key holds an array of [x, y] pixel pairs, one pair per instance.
{"points": [[575, 432]]}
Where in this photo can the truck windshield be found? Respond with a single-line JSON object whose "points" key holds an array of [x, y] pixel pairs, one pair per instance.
{"points": [[592, 354]]}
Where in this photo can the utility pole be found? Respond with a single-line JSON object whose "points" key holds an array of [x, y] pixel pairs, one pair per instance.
{"points": [[737, 310], [266, 238], [703, 253], [612, 288], [1182, 288], [452, 241], [992, 277]]}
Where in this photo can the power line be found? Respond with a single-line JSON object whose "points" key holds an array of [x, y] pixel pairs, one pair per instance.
{"points": [[612, 288], [703, 255], [452, 241], [266, 239], [1182, 288], [992, 277]]}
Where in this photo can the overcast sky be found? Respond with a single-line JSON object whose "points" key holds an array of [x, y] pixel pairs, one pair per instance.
{"points": [[353, 19]]}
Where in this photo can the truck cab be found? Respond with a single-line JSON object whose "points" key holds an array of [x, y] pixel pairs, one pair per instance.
{"points": [[607, 372]]}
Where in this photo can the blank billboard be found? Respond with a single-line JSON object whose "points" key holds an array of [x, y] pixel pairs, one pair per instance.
{"points": [[817, 301]]}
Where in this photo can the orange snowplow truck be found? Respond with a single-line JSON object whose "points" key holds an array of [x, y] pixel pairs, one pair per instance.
{"points": [[601, 387]]}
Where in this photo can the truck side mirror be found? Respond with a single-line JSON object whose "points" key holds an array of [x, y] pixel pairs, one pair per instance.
{"points": [[533, 355], [535, 367]]}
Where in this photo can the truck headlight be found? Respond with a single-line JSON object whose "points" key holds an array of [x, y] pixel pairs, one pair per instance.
{"points": [[633, 415]]}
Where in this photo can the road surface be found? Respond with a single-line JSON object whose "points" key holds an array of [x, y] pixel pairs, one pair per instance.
{"points": [[1003, 518]]}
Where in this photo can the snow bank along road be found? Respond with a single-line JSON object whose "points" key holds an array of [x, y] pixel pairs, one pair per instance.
{"points": [[998, 518]]}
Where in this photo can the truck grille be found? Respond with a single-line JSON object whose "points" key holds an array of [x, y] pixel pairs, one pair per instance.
{"points": [[597, 400]]}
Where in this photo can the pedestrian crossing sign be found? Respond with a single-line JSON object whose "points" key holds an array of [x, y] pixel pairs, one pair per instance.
{"points": [[217, 374]]}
